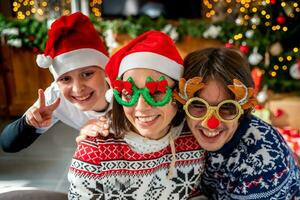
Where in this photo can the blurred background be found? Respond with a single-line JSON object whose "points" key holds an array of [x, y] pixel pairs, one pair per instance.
{"points": [[266, 31]]}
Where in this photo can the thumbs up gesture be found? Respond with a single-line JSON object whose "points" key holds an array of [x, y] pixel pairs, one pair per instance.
{"points": [[41, 116]]}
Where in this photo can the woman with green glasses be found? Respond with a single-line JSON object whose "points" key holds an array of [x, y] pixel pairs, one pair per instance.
{"points": [[149, 155], [247, 157]]}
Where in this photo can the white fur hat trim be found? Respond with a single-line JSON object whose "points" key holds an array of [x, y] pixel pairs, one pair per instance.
{"points": [[109, 95]]}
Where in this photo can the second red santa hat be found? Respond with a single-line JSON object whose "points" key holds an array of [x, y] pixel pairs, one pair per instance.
{"points": [[151, 50]]}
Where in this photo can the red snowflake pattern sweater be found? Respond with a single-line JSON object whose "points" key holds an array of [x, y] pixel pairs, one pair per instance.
{"points": [[136, 167]]}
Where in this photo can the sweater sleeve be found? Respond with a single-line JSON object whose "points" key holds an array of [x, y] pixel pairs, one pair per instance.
{"points": [[84, 183], [17, 136]]}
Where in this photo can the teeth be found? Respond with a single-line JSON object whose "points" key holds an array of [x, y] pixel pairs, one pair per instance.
{"points": [[146, 119], [82, 98], [211, 134]]}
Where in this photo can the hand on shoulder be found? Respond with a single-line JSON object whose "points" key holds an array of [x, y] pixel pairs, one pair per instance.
{"points": [[94, 128]]}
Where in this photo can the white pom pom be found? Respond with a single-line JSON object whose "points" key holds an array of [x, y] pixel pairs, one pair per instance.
{"points": [[109, 95], [43, 61]]}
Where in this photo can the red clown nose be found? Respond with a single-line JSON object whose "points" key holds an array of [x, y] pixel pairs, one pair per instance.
{"points": [[213, 122]]}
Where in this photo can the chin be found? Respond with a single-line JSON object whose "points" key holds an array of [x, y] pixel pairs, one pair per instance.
{"points": [[146, 134], [212, 148], [209, 144], [149, 134], [84, 107]]}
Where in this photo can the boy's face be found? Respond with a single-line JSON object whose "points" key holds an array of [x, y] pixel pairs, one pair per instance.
{"points": [[85, 88], [212, 139]]}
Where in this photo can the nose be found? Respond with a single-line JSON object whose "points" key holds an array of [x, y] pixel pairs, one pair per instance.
{"points": [[211, 121], [78, 86], [142, 104]]}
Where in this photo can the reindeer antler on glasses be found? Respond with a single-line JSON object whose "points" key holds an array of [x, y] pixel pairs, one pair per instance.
{"points": [[243, 95], [188, 88]]}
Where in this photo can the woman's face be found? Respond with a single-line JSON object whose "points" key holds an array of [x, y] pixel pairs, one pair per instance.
{"points": [[212, 139], [149, 121], [85, 88]]}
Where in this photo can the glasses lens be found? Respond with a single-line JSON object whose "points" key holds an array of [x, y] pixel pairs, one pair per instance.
{"points": [[126, 97], [197, 108], [158, 96], [228, 111]]}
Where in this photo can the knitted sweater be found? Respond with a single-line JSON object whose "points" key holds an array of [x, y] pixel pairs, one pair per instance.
{"points": [[255, 164], [136, 167]]}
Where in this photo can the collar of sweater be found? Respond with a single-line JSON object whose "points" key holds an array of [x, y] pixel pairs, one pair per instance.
{"points": [[141, 144]]}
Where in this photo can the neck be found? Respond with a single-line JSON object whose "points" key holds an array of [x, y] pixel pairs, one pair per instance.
{"points": [[105, 104], [103, 108]]}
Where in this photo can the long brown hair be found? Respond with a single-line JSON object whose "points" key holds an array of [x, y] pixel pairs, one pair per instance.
{"points": [[220, 64]]}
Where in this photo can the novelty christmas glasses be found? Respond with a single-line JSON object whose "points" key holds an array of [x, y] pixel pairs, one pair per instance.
{"points": [[155, 93], [226, 111]]}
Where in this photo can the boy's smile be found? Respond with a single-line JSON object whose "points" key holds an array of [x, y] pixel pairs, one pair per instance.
{"points": [[85, 88]]}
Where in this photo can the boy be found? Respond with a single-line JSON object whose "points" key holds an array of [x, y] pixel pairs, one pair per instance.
{"points": [[76, 56]]}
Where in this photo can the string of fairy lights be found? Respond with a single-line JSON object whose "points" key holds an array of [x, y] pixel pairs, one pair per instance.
{"points": [[253, 14], [249, 13], [41, 8], [282, 60]]}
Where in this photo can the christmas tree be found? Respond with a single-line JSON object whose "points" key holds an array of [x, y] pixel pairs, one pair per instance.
{"points": [[268, 33]]}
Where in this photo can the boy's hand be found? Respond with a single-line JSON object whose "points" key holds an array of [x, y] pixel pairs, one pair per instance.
{"points": [[41, 116], [93, 128]]}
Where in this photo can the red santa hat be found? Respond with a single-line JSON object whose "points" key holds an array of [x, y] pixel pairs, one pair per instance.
{"points": [[72, 43], [151, 50]]}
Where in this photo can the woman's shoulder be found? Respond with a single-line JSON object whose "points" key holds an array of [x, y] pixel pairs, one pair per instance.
{"points": [[110, 138], [97, 149]]}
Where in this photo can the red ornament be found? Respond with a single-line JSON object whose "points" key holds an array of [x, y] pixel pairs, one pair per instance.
{"points": [[273, 2], [35, 50], [291, 132], [259, 107], [257, 77], [229, 44], [281, 19], [244, 48], [278, 112], [213, 122]]}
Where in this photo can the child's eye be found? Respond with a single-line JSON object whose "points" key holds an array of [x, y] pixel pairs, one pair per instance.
{"points": [[86, 74], [64, 79]]}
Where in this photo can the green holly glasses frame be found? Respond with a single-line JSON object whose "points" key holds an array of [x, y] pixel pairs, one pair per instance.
{"points": [[156, 93]]}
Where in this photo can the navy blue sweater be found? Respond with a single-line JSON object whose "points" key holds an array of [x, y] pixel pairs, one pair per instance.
{"points": [[255, 164]]}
